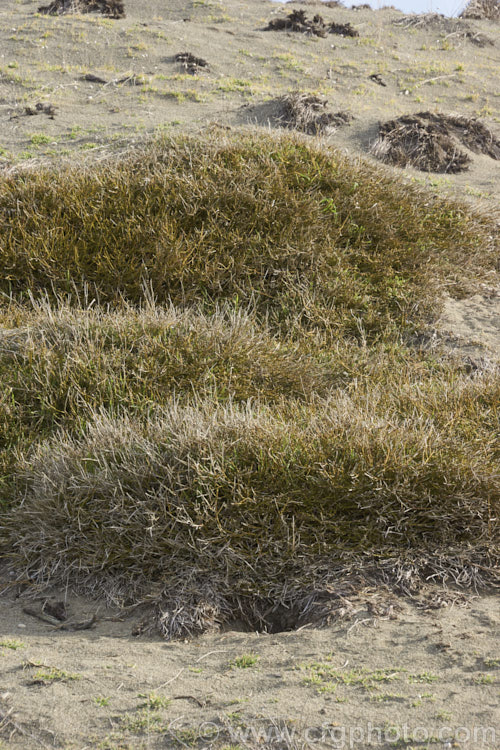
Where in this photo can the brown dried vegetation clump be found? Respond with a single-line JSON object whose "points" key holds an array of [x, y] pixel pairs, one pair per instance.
{"points": [[298, 21], [108, 8], [452, 27], [191, 63], [308, 114], [430, 142], [343, 29], [478, 9]]}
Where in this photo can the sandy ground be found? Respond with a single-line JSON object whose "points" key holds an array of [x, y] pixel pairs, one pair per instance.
{"points": [[426, 64], [472, 326], [391, 673]]}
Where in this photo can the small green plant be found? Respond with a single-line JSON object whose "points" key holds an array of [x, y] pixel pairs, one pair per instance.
{"points": [[75, 131], [245, 661], [235, 84], [423, 677], [325, 674], [491, 663], [154, 701], [446, 45], [237, 701], [444, 715], [11, 643], [484, 679], [386, 697], [418, 701], [53, 674], [37, 139], [144, 720], [234, 717], [101, 700]]}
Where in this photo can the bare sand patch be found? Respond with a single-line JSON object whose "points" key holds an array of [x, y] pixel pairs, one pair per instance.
{"points": [[402, 667], [474, 323]]}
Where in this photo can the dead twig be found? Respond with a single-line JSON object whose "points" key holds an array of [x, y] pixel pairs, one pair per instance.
{"points": [[41, 616], [57, 625], [437, 78], [202, 704]]}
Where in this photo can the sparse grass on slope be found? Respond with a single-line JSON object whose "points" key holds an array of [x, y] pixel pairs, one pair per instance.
{"points": [[263, 429]]}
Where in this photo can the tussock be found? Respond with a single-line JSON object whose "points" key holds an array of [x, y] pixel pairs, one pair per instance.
{"points": [[219, 513], [297, 21], [108, 8], [478, 9], [455, 27], [308, 113], [191, 63], [316, 242], [210, 401], [429, 141]]}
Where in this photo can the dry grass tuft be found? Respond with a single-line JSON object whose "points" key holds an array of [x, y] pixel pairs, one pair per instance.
{"points": [[307, 113], [297, 21], [478, 9], [108, 8], [225, 512], [429, 142], [316, 242]]}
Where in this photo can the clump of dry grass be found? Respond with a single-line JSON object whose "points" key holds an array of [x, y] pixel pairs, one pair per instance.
{"points": [[315, 241], [220, 512], [429, 141], [108, 8], [222, 417], [59, 364], [478, 9], [308, 113], [297, 21]]}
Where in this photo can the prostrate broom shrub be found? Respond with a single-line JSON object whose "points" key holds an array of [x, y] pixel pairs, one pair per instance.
{"points": [[238, 423]]}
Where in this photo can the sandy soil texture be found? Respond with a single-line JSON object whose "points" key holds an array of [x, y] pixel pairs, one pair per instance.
{"points": [[389, 673], [474, 324], [97, 79]]}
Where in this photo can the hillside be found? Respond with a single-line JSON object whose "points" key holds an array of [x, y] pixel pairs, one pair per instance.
{"points": [[250, 376]]}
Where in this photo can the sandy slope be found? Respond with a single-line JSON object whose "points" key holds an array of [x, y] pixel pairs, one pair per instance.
{"points": [[425, 64], [473, 325]]}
